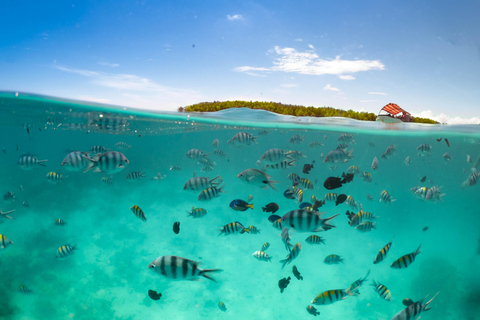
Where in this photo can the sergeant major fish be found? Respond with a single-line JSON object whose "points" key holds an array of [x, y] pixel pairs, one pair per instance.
{"points": [[292, 255], [413, 310], [406, 260], [178, 268], [28, 162], [65, 251], [382, 253], [307, 221], [233, 227], [210, 193], [331, 296], [76, 161], [108, 162]]}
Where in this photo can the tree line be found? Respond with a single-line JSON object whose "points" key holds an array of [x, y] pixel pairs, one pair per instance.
{"points": [[288, 109]]}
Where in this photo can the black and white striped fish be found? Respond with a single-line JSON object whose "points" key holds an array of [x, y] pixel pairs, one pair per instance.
{"points": [[60, 222], [292, 255], [76, 161], [98, 149], [197, 212], [314, 239], [331, 296], [196, 154], [54, 177], [297, 139], [122, 145], [201, 183], [338, 156], [274, 155], [413, 310], [346, 138], [315, 144], [28, 162], [138, 212], [333, 259], [233, 227], [108, 162], [382, 291], [382, 253], [358, 283], [390, 151], [307, 221], [210, 193], [286, 239], [406, 260], [262, 256], [65, 251], [4, 241], [136, 175], [375, 163], [178, 268], [220, 153], [424, 149]]}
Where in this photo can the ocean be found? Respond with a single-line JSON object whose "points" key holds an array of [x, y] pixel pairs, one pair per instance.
{"points": [[107, 274]]}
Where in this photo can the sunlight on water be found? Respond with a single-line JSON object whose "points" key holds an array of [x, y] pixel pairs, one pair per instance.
{"points": [[108, 277]]}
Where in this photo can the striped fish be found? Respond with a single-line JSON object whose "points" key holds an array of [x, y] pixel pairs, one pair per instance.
{"points": [[122, 145], [375, 163], [331, 197], [179, 268], [197, 213], [107, 180], [220, 153], [274, 155], [385, 197], [293, 177], [405, 260], [132, 176], [262, 256], [314, 239], [298, 193], [424, 149], [331, 296], [196, 154], [292, 255], [366, 226], [175, 168], [265, 246], [215, 143], [336, 156], [281, 165], [28, 162], [367, 177], [390, 151], [358, 283], [222, 306], [24, 290], [333, 259], [346, 138], [315, 144], [297, 139], [413, 310], [307, 221], [201, 183], [360, 217], [60, 222], [382, 254], [253, 230], [242, 138], [278, 224], [295, 155], [108, 162], [138, 212], [98, 149], [306, 184], [4, 241], [210, 193], [76, 161], [353, 169], [286, 239], [65, 251], [54, 177], [233, 227], [382, 291]]}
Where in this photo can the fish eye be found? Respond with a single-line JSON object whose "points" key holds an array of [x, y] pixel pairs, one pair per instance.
{"points": [[151, 265]]}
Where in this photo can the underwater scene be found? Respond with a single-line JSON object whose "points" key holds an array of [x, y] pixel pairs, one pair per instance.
{"points": [[115, 213]]}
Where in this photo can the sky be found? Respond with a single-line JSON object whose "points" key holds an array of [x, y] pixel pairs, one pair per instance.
{"points": [[161, 55]]}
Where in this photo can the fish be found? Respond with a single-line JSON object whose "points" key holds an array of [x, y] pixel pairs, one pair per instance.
{"points": [[375, 163], [434, 194], [25, 204], [28, 162], [9, 196], [406, 260], [272, 218], [305, 205], [407, 161], [109, 162], [196, 154], [54, 177], [446, 141], [240, 205], [382, 254], [262, 256], [271, 207], [331, 296], [366, 226], [369, 197], [307, 167], [197, 213], [75, 161], [354, 170], [175, 168], [331, 197], [215, 143], [447, 156], [250, 198], [315, 144], [352, 203], [176, 227], [390, 151], [298, 193], [253, 230], [367, 177], [385, 197], [332, 183], [98, 149], [65, 251], [318, 204], [132, 176], [263, 132], [60, 222], [424, 149], [222, 306], [338, 156], [314, 239], [347, 177], [297, 139], [469, 158], [296, 273], [122, 145], [257, 178], [154, 295], [360, 217], [295, 155], [4, 241], [286, 238], [242, 138], [423, 179], [292, 255], [305, 183], [281, 165], [24, 290], [233, 227], [277, 224], [346, 138], [106, 180], [283, 283], [382, 291], [307, 221], [407, 302], [138, 212], [178, 268], [210, 193], [289, 194], [312, 310], [333, 259], [294, 177], [413, 310], [265, 246], [200, 183], [274, 155], [358, 283], [425, 229], [340, 199]]}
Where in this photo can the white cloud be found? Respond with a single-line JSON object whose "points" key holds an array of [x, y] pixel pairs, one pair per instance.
{"points": [[368, 101], [235, 17], [328, 87], [443, 118], [311, 46], [289, 85], [299, 40], [347, 77], [113, 65], [290, 60], [94, 99], [378, 93]]}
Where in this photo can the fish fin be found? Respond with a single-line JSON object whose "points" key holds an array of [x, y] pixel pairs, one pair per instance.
{"points": [[204, 273], [40, 162], [250, 206]]}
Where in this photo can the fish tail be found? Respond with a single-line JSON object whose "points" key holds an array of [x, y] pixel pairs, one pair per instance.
{"points": [[90, 165], [418, 250], [284, 261], [40, 162], [204, 273], [425, 306], [271, 182], [264, 208], [250, 206]]}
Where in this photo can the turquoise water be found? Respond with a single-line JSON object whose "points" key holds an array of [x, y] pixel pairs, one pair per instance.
{"points": [[108, 277]]}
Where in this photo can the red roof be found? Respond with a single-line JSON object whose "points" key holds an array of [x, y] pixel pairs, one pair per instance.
{"points": [[394, 109]]}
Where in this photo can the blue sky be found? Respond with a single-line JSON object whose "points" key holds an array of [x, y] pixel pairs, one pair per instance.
{"points": [[360, 55]]}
